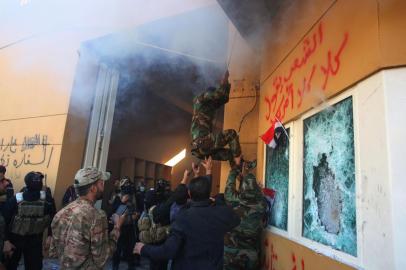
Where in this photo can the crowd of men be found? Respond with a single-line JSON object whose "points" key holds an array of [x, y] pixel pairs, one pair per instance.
{"points": [[180, 229]]}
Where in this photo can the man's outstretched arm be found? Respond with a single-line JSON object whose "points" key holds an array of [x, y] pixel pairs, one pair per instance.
{"points": [[220, 95], [165, 251]]}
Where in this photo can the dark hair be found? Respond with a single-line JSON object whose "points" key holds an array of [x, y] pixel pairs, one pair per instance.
{"points": [[83, 190], [181, 195], [2, 169], [150, 198], [199, 188], [127, 189]]}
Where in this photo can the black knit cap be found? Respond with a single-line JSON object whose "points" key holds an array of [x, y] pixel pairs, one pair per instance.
{"points": [[33, 181]]}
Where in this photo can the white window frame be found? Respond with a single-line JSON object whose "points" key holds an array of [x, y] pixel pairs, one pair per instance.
{"points": [[98, 139], [295, 204], [271, 228]]}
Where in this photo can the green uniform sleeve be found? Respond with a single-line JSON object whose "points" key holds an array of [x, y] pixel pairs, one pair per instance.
{"points": [[102, 244], [231, 194], [219, 96]]}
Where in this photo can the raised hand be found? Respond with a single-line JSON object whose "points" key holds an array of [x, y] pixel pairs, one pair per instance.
{"points": [[196, 169], [208, 164], [138, 247], [185, 176]]}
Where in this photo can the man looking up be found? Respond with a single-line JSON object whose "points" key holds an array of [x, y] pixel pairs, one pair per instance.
{"points": [[196, 240]]}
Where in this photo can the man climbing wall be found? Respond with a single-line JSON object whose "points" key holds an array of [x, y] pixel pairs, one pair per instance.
{"points": [[204, 142]]}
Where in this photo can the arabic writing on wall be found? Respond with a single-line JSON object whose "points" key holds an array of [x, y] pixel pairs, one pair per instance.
{"points": [[290, 88], [272, 259], [31, 151]]}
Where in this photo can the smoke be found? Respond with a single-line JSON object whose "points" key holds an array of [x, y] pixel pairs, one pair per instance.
{"points": [[46, 34], [165, 53], [162, 65], [321, 100]]}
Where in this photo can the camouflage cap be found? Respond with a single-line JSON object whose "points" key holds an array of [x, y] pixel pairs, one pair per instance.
{"points": [[89, 175]]}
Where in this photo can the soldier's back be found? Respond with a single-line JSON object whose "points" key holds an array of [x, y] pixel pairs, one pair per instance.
{"points": [[72, 229]]}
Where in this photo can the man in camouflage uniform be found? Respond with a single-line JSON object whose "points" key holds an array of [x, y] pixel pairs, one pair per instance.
{"points": [[204, 142], [242, 245], [80, 234]]}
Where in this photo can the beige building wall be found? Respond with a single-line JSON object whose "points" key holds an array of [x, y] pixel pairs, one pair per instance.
{"points": [[326, 49], [315, 52], [241, 112], [40, 128]]}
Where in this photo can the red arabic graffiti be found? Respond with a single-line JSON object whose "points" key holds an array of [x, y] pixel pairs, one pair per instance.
{"points": [[310, 45], [330, 70], [270, 261], [272, 258], [288, 91], [294, 263]]}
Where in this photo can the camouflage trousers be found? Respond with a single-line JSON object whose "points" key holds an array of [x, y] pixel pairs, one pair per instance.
{"points": [[214, 145], [240, 259]]}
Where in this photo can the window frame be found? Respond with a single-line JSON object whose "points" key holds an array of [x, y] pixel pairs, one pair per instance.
{"points": [[295, 203], [271, 228]]}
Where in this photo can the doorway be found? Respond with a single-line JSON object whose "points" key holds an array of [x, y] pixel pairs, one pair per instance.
{"points": [[142, 107]]}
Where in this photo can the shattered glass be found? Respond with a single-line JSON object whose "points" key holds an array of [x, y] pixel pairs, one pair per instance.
{"points": [[329, 213], [277, 178]]}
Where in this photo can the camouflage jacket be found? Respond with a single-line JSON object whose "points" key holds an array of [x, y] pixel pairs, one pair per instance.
{"points": [[80, 237], [204, 109], [250, 205]]}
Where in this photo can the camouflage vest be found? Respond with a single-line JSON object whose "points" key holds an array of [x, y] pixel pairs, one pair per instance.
{"points": [[30, 218], [150, 232]]}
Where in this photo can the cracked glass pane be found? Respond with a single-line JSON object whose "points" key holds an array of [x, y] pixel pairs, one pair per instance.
{"points": [[329, 215], [277, 178]]}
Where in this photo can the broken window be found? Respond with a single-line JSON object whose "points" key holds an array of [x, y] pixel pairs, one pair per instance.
{"points": [[277, 178], [329, 215]]}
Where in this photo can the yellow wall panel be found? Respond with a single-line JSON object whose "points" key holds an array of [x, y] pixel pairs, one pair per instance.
{"points": [[36, 78], [32, 144], [283, 254], [288, 28], [392, 28], [39, 157], [52, 127], [331, 57]]}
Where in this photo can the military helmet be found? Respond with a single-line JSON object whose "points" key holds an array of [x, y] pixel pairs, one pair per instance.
{"points": [[162, 184], [124, 182]]}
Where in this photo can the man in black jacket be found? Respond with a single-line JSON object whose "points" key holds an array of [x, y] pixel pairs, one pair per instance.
{"points": [[197, 235], [8, 191], [27, 216]]}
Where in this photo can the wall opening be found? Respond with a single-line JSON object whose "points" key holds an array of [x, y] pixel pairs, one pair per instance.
{"points": [[160, 67]]}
